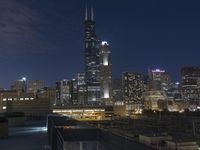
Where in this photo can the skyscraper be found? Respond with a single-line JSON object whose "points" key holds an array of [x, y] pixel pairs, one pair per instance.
{"points": [[117, 90], [190, 83], [33, 86], [92, 78], [159, 80], [63, 95], [19, 85], [105, 74], [133, 86], [81, 88], [73, 91]]}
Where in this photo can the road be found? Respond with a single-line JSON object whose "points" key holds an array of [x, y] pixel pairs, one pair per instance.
{"points": [[32, 136]]}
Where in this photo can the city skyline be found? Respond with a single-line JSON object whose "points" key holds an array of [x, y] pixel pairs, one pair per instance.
{"points": [[99, 75], [45, 39]]}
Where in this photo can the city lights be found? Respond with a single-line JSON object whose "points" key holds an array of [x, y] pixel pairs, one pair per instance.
{"points": [[24, 79], [139, 90], [104, 43]]}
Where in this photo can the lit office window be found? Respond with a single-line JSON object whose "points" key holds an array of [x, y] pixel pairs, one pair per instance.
{"points": [[4, 107], [9, 99], [4, 99]]}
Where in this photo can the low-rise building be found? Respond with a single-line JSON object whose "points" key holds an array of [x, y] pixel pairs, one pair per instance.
{"points": [[119, 110], [181, 145], [29, 103], [154, 139], [152, 99], [85, 112], [3, 127], [15, 119]]}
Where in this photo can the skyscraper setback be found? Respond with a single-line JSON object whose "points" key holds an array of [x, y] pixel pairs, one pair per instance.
{"points": [[105, 74], [93, 86], [92, 77]]}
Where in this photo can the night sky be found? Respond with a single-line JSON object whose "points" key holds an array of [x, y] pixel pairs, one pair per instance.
{"points": [[43, 39]]}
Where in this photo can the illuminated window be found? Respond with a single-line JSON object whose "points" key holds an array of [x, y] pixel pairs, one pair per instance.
{"points": [[26, 98], [4, 107], [106, 90], [21, 99], [4, 99], [9, 99], [105, 60], [31, 98]]}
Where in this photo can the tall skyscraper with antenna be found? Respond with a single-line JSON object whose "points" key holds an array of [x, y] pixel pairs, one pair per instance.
{"points": [[92, 77]]}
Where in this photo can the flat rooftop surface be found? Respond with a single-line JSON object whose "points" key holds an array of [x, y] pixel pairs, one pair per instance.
{"points": [[33, 136]]}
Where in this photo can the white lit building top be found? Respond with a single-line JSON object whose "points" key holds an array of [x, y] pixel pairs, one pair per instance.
{"points": [[158, 71], [104, 43]]}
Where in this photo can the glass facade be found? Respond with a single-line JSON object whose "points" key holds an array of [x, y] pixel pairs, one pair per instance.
{"points": [[91, 60]]}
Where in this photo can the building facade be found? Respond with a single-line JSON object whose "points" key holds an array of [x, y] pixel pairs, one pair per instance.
{"points": [[133, 86], [159, 79], [190, 84], [63, 95], [19, 85], [92, 72], [117, 90], [73, 92], [29, 103], [33, 86], [152, 99], [106, 74], [81, 88]]}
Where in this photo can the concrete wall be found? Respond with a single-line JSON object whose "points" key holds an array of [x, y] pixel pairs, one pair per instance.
{"points": [[16, 121], [3, 129], [171, 145], [120, 111], [36, 108], [115, 142], [151, 140]]}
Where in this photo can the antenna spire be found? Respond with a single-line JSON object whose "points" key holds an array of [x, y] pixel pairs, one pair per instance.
{"points": [[92, 13], [86, 13]]}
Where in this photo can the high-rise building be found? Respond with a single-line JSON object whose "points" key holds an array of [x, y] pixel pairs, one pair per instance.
{"points": [[190, 83], [92, 78], [63, 95], [66, 92], [174, 91], [81, 89], [117, 90], [133, 86], [105, 74], [19, 85], [159, 80], [156, 74], [73, 91], [33, 86]]}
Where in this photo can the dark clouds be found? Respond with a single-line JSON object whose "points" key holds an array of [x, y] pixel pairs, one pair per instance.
{"points": [[18, 28], [33, 26], [39, 39]]}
